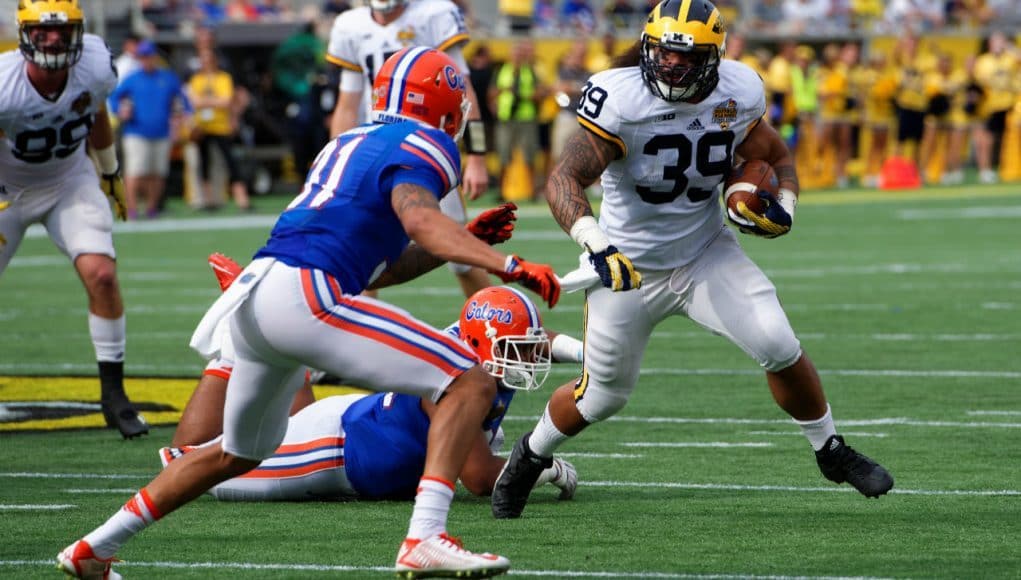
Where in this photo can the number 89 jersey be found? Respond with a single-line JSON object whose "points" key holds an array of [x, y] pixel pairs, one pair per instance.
{"points": [[43, 139], [660, 197]]}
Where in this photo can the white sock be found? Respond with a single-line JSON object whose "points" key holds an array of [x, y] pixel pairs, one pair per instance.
{"points": [[431, 507], [108, 337], [818, 430], [546, 437], [565, 348], [136, 515]]}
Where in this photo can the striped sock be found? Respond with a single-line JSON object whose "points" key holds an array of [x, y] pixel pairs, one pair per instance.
{"points": [[136, 515], [431, 507]]}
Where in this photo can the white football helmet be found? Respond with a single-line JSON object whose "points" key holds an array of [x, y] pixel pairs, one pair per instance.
{"points": [[385, 6]]}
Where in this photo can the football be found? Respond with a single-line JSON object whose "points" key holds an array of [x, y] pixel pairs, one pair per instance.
{"points": [[747, 178]]}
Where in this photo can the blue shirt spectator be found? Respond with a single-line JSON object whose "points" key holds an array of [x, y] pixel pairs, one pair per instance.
{"points": [[210, 12], [151, 94], [578, 15]]}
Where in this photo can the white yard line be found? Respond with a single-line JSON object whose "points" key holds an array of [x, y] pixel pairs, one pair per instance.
{"points": [[36, 506], [899, 421], [623, 484], [996, 413], [800, 434], [389, 570], [783, 488], [695, 444]]}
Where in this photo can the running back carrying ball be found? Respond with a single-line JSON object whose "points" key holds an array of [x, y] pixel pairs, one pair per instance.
{"points": [[745, 181], [755, 202]]}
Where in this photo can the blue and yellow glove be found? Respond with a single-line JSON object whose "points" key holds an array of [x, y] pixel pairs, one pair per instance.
{"points": [[113, 187], [774, 222]]}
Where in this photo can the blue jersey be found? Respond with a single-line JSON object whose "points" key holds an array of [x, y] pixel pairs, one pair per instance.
{"points": [[343, 221], [385, 436]]}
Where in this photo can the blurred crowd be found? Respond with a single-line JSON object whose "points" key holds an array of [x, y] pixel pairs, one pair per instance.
{"points": [[863, 110]]}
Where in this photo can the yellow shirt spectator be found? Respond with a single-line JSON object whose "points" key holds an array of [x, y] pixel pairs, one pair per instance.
{"points": [[996, 74], [211, 95]]}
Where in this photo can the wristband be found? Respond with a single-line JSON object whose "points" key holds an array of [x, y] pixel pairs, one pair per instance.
{"points": [[788, 200], [106, 159], [475, 138], [565, 348], [589, 235]]}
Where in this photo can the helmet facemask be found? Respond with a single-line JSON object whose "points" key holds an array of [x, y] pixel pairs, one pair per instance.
{"points": [[691, 81], [522, 362], [386, 6], [61, 55]]}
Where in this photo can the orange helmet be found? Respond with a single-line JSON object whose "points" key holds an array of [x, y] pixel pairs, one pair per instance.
{"points": [[503, 327], [421, 84]]}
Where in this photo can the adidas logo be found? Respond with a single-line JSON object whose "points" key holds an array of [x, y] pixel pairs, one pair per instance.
{"points": [[696, 125]]}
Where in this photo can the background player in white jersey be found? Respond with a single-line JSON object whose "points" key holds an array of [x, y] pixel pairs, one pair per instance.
{"points": [[362, 38], [373, 446], [370, 192], [53, 100], [663, 128]]}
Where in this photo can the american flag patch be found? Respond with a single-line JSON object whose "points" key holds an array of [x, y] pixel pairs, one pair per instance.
{"points": [[415, 98]]}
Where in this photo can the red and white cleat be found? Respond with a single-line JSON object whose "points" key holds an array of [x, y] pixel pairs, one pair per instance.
{"points": [[442, 556], [226, 269], [78, 561]]}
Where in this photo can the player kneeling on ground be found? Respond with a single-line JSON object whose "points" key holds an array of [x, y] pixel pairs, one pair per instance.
{"points": [[373, 446], [371, 192]]}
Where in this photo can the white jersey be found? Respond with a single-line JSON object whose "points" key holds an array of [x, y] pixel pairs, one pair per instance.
{"points": [[42, 139], [359, 43], [661, 198]]}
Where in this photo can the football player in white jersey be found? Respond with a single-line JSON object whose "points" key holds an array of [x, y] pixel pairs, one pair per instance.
{"points": [[662, 129], [53, 101], [362, 38]]}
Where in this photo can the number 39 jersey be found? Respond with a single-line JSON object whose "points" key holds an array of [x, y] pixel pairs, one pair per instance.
{"points": [[660, 198], [359, 43], [42, 139]]}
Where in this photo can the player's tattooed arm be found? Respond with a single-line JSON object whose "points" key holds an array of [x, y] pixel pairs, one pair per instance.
{"points": [[763, 142], [787, 176], [415, 260], [584, 158], [418, 210], [411, 264]]}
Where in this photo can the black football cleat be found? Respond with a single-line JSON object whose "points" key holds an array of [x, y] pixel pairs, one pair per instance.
{"points": [[120, 413], [839, 462], [516, 480]]}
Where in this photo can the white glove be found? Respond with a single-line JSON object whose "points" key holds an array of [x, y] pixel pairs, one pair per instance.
{"points": [[561, 474]]}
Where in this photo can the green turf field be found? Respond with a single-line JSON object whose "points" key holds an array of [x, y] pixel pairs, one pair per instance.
{"points": [[908, 303]]}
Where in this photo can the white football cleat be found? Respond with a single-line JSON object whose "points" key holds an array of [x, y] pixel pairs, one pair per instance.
{"points": [[79, 561], [443, 556]]}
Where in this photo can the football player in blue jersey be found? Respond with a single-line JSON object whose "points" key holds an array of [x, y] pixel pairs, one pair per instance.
{"points": [[370, 192], [373, 446]]}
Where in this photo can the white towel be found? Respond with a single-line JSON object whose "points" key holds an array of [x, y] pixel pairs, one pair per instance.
{"points": [[209, 333], [583, 278]]}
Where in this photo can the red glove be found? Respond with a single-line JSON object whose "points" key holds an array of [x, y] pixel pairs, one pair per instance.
{"points": [[494, 226], [538, 278]]}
